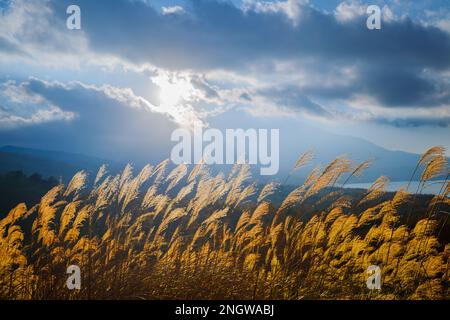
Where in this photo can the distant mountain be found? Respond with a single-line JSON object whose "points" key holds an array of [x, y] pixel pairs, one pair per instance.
{"points": [[298, 136], [16, 187], [47, 163], [396, 165]]}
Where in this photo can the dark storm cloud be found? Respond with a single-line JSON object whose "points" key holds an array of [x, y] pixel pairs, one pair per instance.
{"points": [[106, 123], [404, 86], [292, 98], [389, 63], [405, 64], [218, 34]]}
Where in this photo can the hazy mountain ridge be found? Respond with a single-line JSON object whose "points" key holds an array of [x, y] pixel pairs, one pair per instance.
{"points": [[396, 165], [58, 164]]}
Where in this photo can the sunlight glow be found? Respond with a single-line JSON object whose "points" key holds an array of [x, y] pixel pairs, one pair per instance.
{"points": [[174, 90], [176, 97]]}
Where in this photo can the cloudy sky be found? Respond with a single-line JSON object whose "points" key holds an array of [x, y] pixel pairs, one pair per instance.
{"points": [[138, 69]]}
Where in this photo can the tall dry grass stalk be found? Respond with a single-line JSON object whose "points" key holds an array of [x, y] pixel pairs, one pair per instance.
{"points": [[191, 234]]}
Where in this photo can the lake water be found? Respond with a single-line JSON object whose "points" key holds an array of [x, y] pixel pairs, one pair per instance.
{"points": [[432, 187]]}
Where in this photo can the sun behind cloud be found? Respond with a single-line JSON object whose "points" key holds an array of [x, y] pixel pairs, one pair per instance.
{"points": [[176, 96]]}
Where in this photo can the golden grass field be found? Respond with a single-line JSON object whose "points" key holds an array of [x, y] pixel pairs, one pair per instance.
{"points": [[186, 233]]}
